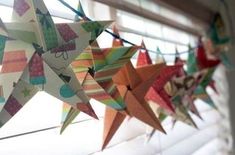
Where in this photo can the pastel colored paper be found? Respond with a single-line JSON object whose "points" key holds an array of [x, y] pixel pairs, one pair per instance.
{"points": [[39, 40], [94, 69], [88, 65]]}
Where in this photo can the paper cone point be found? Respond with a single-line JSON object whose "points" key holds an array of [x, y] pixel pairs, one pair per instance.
{"points": [[112, 121], [87, 108], [143, 112], [158, 99], [70, 116]]}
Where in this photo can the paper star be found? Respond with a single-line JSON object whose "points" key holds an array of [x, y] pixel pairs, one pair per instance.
{"points": [[183, 88], [182, 104], [202, 59], [42, 59], [158, 94], [134, 106], [133, 85], [94, 69], [200, 92], [104, 66]]}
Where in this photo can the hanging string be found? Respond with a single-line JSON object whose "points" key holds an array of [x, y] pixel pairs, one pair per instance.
{"points": [[118, 37]]}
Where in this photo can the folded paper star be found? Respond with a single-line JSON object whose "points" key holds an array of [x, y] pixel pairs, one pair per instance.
{"points": [[203, 61], [182, 89], [200, 92], [95, 69], [133, 85], [39, 57], [158, 104], [157, 93]]}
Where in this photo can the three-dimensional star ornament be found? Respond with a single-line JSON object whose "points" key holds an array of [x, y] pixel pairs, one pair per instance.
{"points": [[182, 89], [187, 99], [183, 102], [133, 85], [203, 61], [95, 69], [157, 93], [200, 92], [38, 55], [159, 102]]}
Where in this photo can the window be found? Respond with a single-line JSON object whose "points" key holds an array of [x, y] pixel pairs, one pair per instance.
{"points": [[35, 129]]}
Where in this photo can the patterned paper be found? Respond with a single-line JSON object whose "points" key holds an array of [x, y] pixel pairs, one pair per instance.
{"points": [[89, 65], [21, 6], [14, 61], [35, 27]]}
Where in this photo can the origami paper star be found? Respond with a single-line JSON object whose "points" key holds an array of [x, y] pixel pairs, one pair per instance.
{"points": [[157, 94], [94, 69], [200, 92], [39, 57], [183, 88], [217, 41], [158, 104], [202, 60], [132, 84]]}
